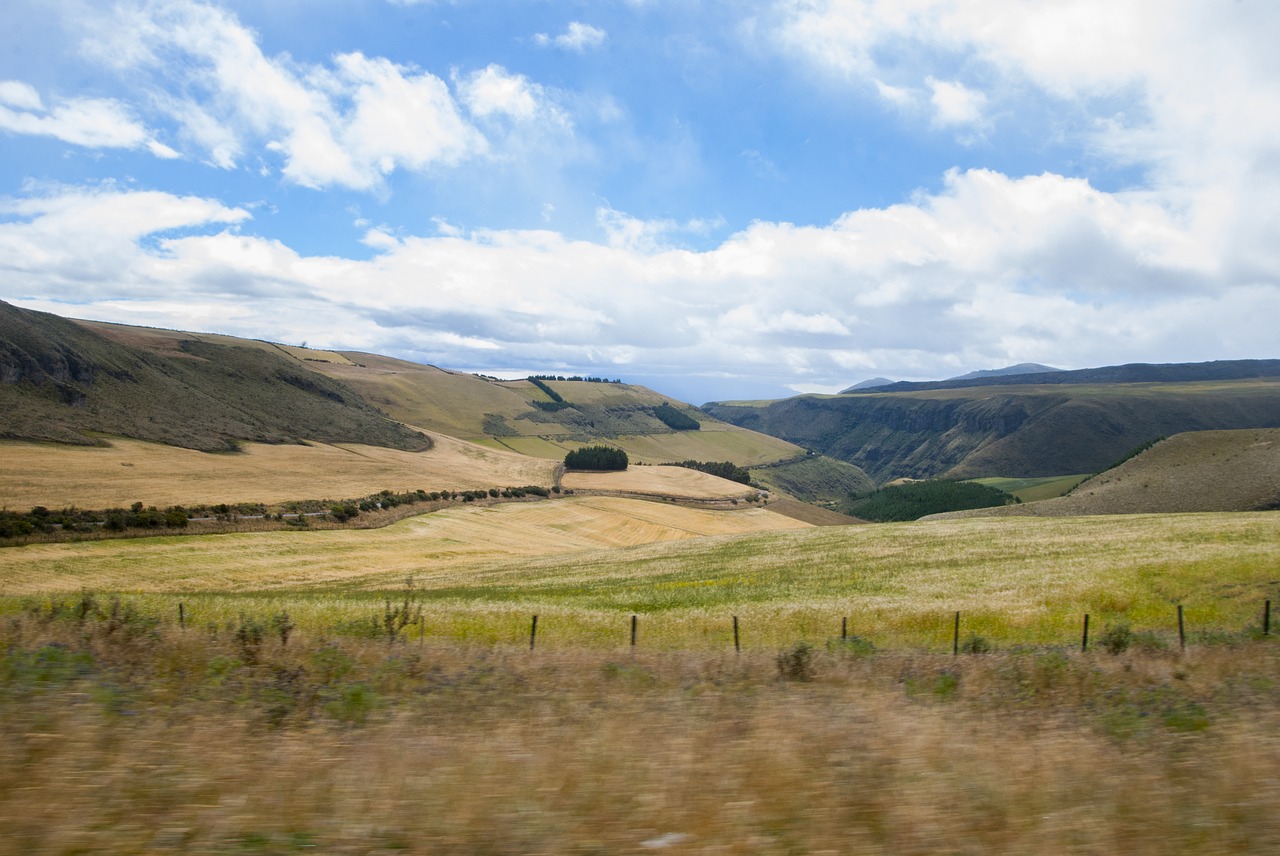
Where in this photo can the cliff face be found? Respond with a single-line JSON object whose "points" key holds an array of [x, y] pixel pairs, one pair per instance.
{"points": [[986, 432]]}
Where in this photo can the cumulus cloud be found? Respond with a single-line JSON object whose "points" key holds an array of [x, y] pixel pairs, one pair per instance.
{"points": [[90, 122], [954, 103], [988, 270], [348, 123], [577, 37]]}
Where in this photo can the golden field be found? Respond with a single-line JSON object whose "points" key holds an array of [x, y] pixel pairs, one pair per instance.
{"points": [[127, 471], [658, 482]]}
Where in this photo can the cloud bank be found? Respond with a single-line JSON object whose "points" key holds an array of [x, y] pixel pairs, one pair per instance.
{"points": [[984, 269]]}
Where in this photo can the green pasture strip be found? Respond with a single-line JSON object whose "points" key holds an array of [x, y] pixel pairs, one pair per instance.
{"points": [[1033, 489], [1015, 581]]}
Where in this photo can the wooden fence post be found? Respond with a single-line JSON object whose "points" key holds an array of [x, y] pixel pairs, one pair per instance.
{"points": [[182, 615], [844, 628], [737, 648], [1266, 619], [533, 633], [955, 636], [633, 633], [1084, 638], [1182, 631]]}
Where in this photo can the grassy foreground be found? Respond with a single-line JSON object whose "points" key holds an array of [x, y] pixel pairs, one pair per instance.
{"points": [[283, 717], [125, 737]]}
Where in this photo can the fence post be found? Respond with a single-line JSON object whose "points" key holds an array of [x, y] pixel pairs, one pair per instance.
{"points": [[844, 628], [1084, 638], [1182, 631], [533, 633], [1266, 619], [737, 648], [955, 636], [182, 615], [633, 633]]}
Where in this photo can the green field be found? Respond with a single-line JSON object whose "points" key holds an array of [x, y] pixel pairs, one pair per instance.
{"points": [[1015, 581], [1033, 489]]}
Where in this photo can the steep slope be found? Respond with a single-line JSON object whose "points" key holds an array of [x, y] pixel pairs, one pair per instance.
{"points": [[63, 381], [1006, 430], [1197, 471]]}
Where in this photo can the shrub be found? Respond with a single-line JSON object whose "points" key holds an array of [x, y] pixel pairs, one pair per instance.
{"points": [[1116, 638], [796, 664]]}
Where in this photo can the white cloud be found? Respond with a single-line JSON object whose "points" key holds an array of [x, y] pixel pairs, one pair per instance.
{"points": [[954, 103], [990, 270], [90, 122], [23, 96], [577, 37], [349, 123], [493, 90]]}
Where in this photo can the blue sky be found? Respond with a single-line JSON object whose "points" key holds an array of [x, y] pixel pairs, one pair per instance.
{"points": [[717, 199]]}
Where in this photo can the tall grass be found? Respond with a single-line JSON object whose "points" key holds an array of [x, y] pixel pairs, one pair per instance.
{"points": [[121, 735]]}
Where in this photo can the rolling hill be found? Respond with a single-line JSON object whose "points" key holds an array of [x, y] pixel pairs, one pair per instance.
{"points": [[65, 382], [311, 423], [1018, 426], [1192, 472]]}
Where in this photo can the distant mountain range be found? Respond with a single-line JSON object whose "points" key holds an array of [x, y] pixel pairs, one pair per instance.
{"points": [[1019, 369], [1018, 425]]}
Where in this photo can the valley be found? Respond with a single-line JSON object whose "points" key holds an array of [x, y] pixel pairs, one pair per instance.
{"points": [[551, 660]]}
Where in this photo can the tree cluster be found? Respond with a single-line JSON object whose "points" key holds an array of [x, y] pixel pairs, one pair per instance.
{"points": [[575, 377], [723, 469], [551, 393], [675, 418], [596, 458], [918, 499]]}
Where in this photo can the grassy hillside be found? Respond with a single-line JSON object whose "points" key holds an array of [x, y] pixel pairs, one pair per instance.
{"points": [[1007, 430], [1198, 471], [61, 381], [814, 478]]}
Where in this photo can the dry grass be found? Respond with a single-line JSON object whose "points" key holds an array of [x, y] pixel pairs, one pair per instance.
{"points": [[128, 471], [658, 481], [448, 547], [120, 741]]}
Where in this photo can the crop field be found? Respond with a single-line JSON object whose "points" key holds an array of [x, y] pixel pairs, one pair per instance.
{"points": [[658, 481], [586, 563], [1033, 489], [59, 476], [716, 442]]}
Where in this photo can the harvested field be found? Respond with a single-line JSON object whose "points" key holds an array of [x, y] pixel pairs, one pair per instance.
{"points": [[658, 481], [128, 471], [445, 548]]}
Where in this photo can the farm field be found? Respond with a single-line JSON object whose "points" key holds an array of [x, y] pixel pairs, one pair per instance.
{"points": [[282, 717], [658, 482], [713, 443], [586, 563], [127, 471], [1033, 489]]}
